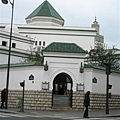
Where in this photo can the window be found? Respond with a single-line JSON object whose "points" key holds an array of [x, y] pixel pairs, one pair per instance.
{"points": [[35, 42], [43, 43], [39, 42], [13, 45], [4, 43]]}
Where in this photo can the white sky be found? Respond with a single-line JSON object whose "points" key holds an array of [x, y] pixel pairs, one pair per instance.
{"points": [[79, 13]]}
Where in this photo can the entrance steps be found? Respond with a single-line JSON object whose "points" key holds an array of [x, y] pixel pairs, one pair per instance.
{"points": [[61, 108], [61, 101]]}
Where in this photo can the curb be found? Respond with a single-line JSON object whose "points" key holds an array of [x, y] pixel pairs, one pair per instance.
{"points": [[8, 111], [36, 113]]}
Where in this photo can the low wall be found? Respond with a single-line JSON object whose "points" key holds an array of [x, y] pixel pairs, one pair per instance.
{"points": [[77, 100], [36, 100], [42, 100], [98, 101]]}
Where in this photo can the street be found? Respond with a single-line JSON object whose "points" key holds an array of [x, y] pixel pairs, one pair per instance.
{"points": [[11, 116]]}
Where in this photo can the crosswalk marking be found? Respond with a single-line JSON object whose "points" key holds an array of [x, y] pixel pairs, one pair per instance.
{"points": [[11, 115], [62, 117], [3, 116]]}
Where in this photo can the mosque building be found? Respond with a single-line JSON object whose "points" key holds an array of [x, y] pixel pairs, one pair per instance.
{"points": [[63, 77]]}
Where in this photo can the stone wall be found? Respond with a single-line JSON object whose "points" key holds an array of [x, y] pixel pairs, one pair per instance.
{"points": [[36, 100], [42, 100], [77, 100], [114, 102], [97, 101]]}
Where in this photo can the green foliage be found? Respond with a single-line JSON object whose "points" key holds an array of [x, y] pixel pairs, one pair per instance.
{"points": [[101, 55], [34, 57], [19, 102]]}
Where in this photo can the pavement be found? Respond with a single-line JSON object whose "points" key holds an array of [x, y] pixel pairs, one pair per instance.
{"points": [[70, 113]]}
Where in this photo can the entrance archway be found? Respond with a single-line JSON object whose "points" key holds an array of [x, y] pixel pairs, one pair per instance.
{"points": [[62, 90]]}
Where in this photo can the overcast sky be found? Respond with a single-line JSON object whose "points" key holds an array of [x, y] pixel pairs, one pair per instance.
{"points": [[79, 13]]}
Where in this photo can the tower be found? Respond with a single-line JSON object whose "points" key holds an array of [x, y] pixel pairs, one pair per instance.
{"points": [[96, 25]]}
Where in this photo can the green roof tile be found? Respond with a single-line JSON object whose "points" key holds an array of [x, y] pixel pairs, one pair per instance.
{"points": [[64, 47], [21, 64], [94, 66], [45, 10]]}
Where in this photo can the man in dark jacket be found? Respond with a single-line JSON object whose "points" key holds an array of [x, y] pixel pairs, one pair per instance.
{"points": [[86, 104], [3, 96]]}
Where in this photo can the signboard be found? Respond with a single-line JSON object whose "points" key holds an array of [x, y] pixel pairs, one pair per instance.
{"points": [[31, 77], [94, 80], [45, 86], [80, 87]]}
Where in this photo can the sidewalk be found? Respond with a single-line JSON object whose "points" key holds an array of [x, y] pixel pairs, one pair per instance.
{"points": [[70, 113]]}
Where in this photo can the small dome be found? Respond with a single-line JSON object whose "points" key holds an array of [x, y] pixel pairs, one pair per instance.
{"points": [[14, 29]]}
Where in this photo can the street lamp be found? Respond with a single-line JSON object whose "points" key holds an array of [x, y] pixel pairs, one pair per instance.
{"points": [[81, 68], [8, 69], [46, 66]]}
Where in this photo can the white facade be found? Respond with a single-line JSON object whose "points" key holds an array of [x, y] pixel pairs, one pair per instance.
{"points": [[100, 86], [57, 66], [24, 37], [44, 21], [84, 37], [20, 47]]}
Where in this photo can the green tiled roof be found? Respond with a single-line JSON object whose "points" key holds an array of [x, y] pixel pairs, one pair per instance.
{"points": [[99, 68], [21, 64], [45, 10], [64, 47]]}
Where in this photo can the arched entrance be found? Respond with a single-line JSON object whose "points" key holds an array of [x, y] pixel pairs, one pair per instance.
{"points": [[62, 90]]}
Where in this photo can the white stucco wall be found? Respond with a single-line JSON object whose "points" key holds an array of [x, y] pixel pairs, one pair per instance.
{"points": [[100, 86], [87, 80], [3, 78], [18, 74], [3, 59], [62, 65], [21, 42], [115, 82], [13, 59], [83, 41], [84, 37]]}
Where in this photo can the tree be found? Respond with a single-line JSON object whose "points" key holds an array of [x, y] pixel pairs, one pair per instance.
{"points": [[34, 56], [101, 55]]}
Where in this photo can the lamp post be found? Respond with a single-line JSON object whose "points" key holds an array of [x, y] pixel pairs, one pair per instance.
{"points": [[22, 84], [8, 69], [108, 71]]}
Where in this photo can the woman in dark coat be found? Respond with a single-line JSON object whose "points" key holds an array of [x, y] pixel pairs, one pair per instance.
{"points": [[3, 96], [86, 104]]}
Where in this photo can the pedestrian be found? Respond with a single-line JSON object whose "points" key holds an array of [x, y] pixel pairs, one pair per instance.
{"points": [[3, 96], [86, 104]]}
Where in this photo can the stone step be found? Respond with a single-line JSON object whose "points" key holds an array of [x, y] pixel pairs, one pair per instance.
{"points": [[61, 101], [61, 105], [61, 108]]}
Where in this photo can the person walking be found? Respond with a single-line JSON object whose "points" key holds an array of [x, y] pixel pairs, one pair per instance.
{"points": [[3, 96], [86, 104]]}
